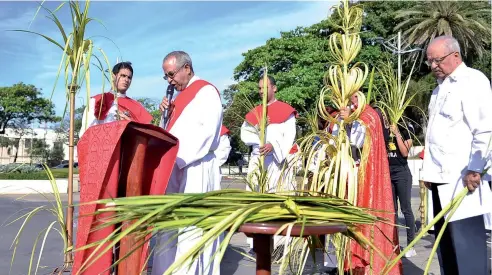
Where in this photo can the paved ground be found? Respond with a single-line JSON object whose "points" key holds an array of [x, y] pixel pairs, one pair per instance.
{"points": [[233, 264]]}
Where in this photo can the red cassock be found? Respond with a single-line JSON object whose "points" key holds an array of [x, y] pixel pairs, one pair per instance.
{"points": [[375, 193], [277, 112], [108, 155]]}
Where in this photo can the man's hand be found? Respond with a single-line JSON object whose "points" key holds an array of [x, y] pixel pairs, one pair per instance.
{"points": [[164, 104], [124, 115], [427, 185], [394, 130], [345, 113], [266, 149], [472, 180]]}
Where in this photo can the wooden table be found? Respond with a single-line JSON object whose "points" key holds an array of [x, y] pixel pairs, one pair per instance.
{"points": [[262, 237]]}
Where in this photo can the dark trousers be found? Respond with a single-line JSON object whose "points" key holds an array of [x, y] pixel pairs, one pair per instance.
{"points": [[401, 183], [462, 249]]}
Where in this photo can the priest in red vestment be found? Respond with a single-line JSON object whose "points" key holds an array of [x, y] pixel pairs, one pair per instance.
{"points": [[102, 168], [375, 193], [195, 119], [280, 136], [114, 105]]}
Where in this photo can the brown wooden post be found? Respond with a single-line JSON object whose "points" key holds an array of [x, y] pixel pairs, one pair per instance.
{"points": [[69, 219], [262, 248]]}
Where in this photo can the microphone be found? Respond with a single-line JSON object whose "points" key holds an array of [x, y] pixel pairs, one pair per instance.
{"points": [[169, 95]]}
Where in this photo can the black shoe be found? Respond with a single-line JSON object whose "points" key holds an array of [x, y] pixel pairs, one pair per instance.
{"points": [[331, 271]]}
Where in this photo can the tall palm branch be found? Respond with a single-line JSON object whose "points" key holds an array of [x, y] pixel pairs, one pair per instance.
{"points": [[463, 20]]}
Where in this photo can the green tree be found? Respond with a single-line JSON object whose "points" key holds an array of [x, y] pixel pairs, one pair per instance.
{"points": [[235, 110], [468, 22], [62, 129], [56, 153], [21, 104], [152, 106], [40, 150]]}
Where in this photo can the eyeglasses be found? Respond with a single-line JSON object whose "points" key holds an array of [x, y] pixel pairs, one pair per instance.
{"points": [[437, 60], [172, 74]]}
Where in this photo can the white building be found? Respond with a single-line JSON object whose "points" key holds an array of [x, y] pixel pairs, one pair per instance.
{"points": [[7, 154]]}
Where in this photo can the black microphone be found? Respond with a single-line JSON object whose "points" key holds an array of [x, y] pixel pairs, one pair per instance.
{"points": [[169, 95]]}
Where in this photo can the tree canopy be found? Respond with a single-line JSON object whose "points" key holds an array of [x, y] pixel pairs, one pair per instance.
{"points": [[22, 104], [299, 58]]}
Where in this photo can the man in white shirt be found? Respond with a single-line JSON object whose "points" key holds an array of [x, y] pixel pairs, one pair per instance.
{"points": [[458, 133], [195, 119]]}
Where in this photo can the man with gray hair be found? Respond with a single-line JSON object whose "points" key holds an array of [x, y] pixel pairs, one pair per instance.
{"points": [[458, 133], [195, 119]]}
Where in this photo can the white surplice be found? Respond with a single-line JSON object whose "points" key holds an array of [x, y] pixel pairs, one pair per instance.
{"points": [[89, 119], [281, 136], [222, 153], [197, 129], [458, 134]]}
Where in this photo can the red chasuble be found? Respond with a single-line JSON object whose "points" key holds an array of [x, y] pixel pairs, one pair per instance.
{"points": [[185, 97], [224, 131], [277, 112], [125, 104], [99, 151], [375, 193]]}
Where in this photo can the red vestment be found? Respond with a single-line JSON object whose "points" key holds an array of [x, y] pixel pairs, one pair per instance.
{"points": [[224, 131], [185, 97], [277, 112], [125, 104], [375, 193], [100, 169]]}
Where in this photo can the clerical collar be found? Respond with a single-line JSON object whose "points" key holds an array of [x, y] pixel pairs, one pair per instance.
{"points": [[120, 95]]}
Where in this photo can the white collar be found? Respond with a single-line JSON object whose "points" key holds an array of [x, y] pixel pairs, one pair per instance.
{"points": [[193, 79], [455, 74]]}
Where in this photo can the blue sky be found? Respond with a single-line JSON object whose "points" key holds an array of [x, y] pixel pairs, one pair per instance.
{"points": [[215, 34]]}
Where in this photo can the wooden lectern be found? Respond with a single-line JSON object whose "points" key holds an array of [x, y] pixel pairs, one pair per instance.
{"points": [[120, 159]]}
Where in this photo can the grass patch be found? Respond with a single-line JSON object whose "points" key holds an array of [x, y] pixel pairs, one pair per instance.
{"points": [[41, 175]]}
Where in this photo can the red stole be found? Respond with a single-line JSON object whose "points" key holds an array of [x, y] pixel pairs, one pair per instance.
{"points": [[224, 131], [125, 104], [294, 149], [375, 193], [184, 98], [99, 152], [277, 112]]}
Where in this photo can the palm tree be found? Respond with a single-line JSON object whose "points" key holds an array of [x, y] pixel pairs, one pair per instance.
{"points": [[465, 21]]}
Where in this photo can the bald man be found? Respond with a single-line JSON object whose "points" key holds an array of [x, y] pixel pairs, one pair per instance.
{"points": [[458, 132]]}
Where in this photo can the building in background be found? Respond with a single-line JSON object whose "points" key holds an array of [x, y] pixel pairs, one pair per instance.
{"points": [[23, 145]]}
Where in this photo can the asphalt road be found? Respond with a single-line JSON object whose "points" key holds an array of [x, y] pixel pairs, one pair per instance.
{"points": [[14, 206]]}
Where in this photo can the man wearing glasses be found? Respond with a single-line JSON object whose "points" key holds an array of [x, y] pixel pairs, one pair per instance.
{"points": [[458, 134], [195, 118]]}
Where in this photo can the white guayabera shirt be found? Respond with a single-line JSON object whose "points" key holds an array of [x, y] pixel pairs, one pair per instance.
{"points": [[458, 134]]}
